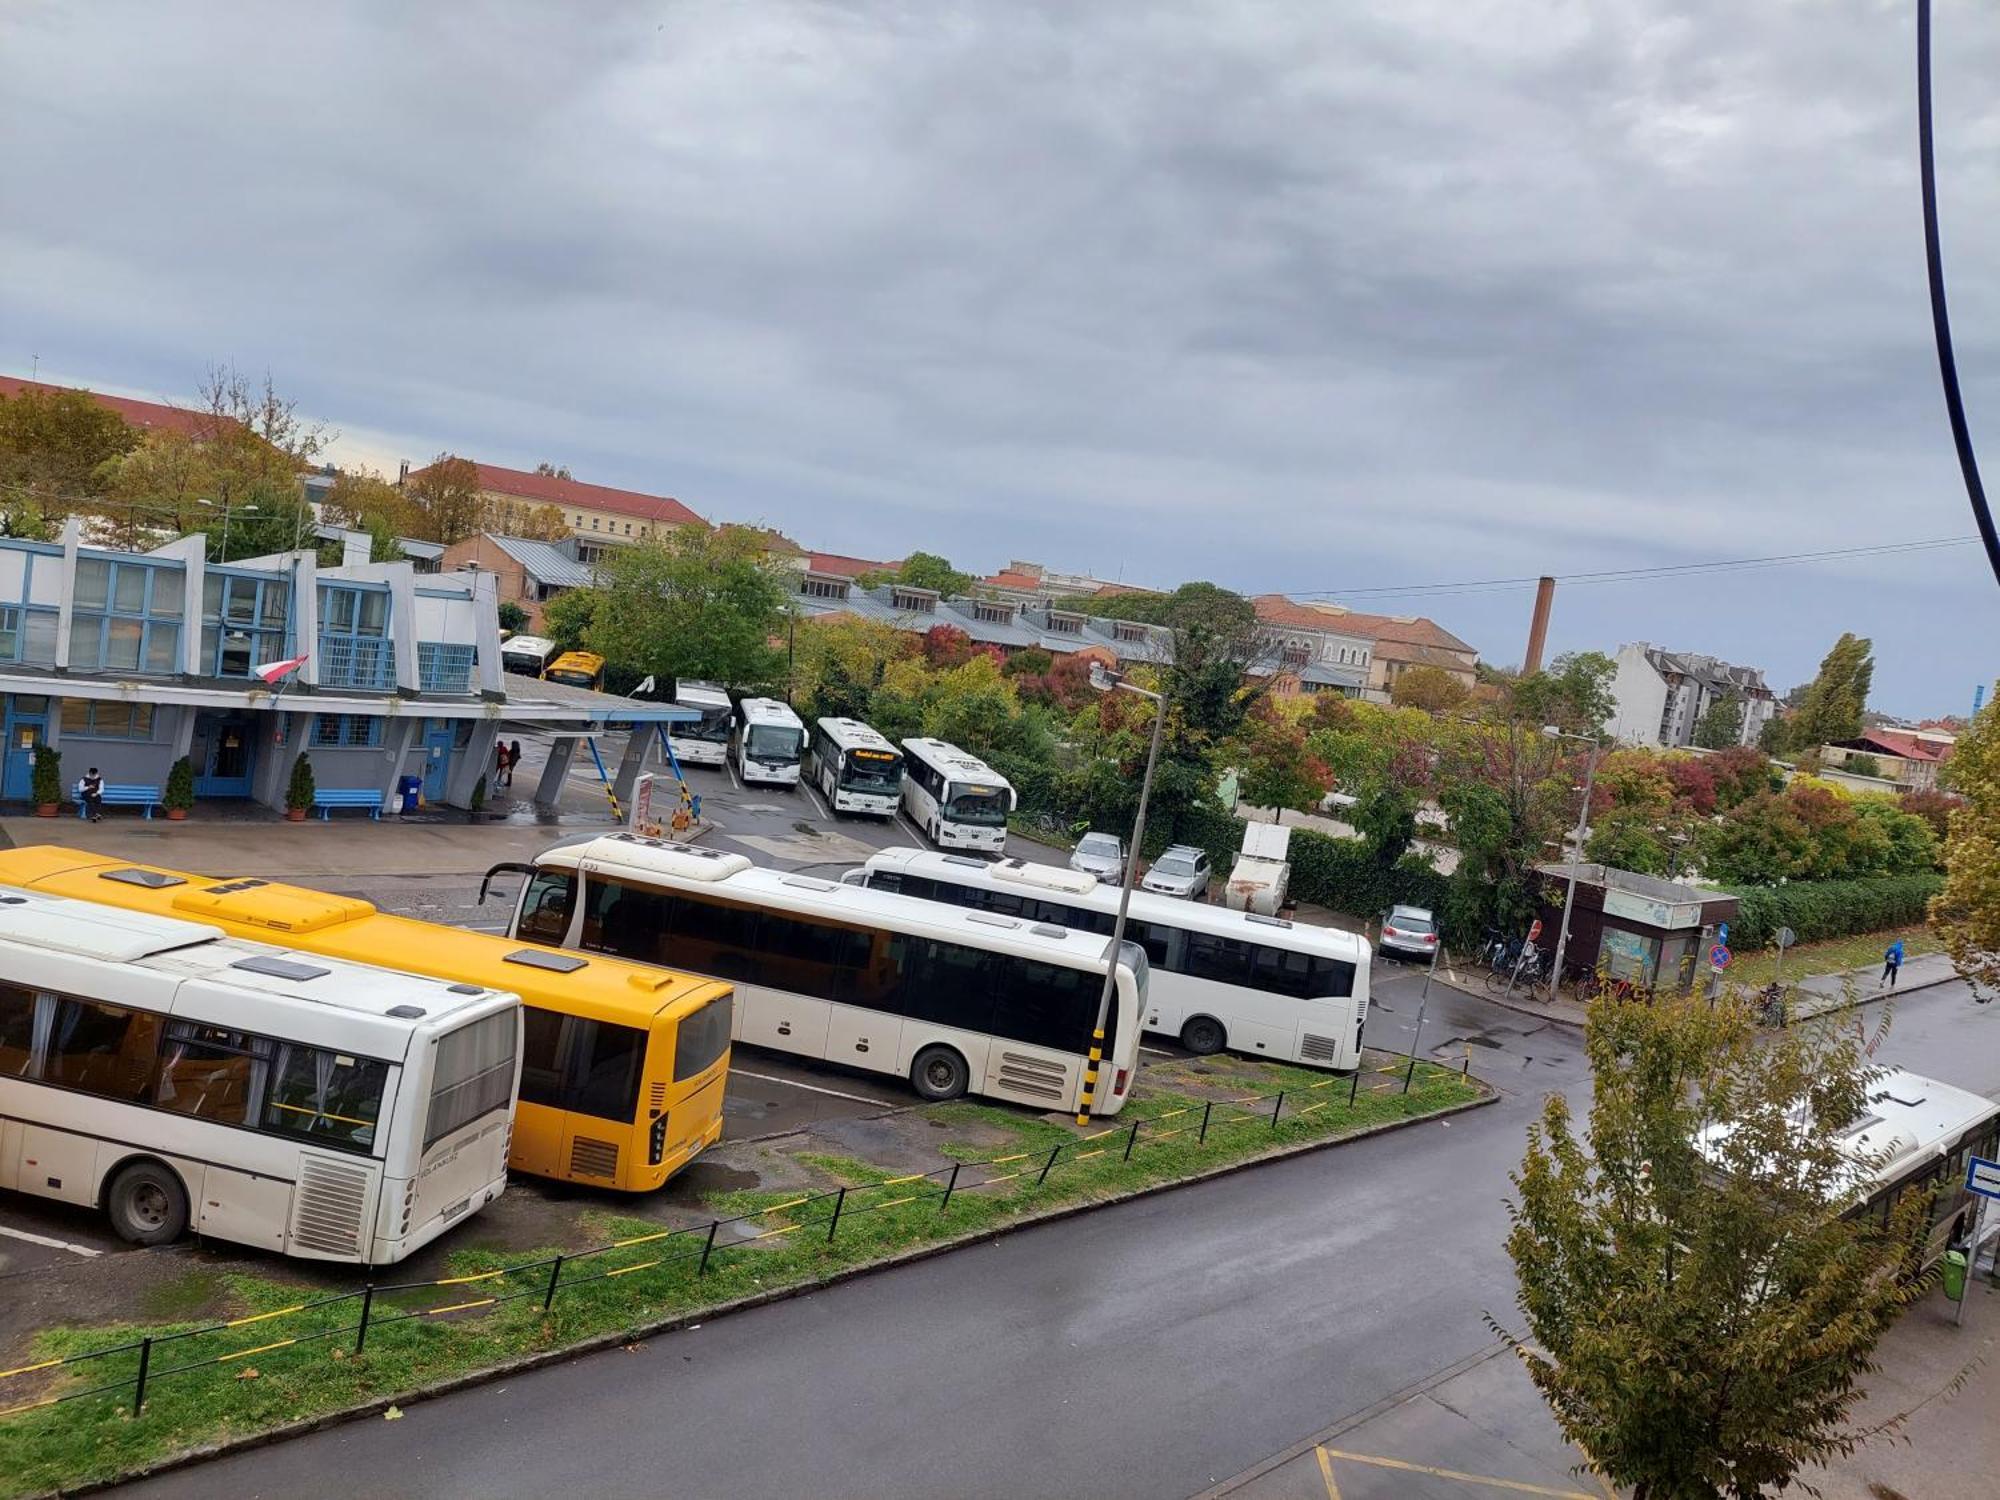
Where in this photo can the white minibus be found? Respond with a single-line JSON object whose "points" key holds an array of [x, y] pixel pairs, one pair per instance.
{"points": [[958, 800], [770, 742]]}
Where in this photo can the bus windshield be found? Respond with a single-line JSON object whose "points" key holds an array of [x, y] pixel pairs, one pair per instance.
{"points": [[871, 771], [712, 727], [981, 806], [772, 744]]}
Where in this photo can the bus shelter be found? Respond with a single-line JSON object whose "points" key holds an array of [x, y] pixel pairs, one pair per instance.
{"points": [[1635, 927], [627, 732]]}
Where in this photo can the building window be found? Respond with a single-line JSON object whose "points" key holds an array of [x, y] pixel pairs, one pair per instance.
{"points": [[1065, 624], [28, 636], [354, 648], [994, 614], [1127, 630], [1296, 655], [83, 719], [445, 668], [628, 528], [918, 601], [346, 731], [594, 522], [243, 623], [823, 588], [125, 617]]}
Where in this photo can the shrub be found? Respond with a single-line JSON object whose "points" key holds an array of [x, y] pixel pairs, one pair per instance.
{"points": [[299, 794], [1343, 874], [1820, 909], [179, 795], [46, 779]]}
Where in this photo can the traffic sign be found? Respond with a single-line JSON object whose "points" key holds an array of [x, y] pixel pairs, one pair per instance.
{"points": [[1786, 937], [1534, 929], [1722, 932], [1718, 957], [1983, 1177]]}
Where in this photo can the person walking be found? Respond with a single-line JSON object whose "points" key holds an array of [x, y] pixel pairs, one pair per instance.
{"points": [[91, 791], [513, 760], [1892, 963], [503, 766]]}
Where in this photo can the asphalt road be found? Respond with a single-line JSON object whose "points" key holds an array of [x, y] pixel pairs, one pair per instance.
{"points": [[1144, 1350]]}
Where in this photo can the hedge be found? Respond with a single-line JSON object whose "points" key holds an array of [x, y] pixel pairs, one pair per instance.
{"points": [[1820, 909], [1339, 873]]}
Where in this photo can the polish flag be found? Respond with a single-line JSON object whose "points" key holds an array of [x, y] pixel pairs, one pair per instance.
{"points": [[276, 671]]}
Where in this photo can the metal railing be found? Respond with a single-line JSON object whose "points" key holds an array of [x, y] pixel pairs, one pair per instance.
{"points": [[443, 667], [347, 661], [133, 1366]]}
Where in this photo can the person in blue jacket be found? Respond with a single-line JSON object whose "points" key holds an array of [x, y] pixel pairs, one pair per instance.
{"points": [[1892, 963]]}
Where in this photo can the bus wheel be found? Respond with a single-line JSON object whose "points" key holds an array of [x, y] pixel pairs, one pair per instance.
{"points": [[1203, 1035], [147, 1204], [939, 1073]]}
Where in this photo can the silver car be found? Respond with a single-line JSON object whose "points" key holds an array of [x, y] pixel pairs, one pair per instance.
{"points": [[1182, 871], [1100, 854], [1409, 932]]}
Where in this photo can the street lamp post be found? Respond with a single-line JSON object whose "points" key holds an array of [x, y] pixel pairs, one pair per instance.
{"points": [[228, 509], [1576, 854], [1105, 681]]}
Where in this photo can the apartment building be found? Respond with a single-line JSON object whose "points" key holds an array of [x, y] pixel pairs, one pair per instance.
{"points": [[601, 517], [1331, 641], [1662, 695]]}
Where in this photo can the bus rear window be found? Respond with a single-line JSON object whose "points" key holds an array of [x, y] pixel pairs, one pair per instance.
{"points": [[702, 1037], [474, 1075]]}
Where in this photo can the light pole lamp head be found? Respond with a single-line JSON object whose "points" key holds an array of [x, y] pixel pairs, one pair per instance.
{"points": [[1102, 679], [1554, 732]]}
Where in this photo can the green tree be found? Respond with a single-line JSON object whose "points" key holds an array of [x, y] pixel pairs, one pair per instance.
{"points": [[444, 500], [1966, 913], [1775, 738], [1831, 708], [1432, 689], [1701, 1315], [697, 603], [567, 618], [1628, 841], [1278, 770], [512, 617], [839, 663], [1862, 765], [1722, 725], [1574, 694], [53, 443], [923, 570]]}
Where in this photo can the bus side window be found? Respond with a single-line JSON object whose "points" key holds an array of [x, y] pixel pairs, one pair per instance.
{"points": [[545, 911], [17, 1031]]}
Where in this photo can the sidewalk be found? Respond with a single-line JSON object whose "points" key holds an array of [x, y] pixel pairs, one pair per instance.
{"points": [[1813, 995], [343, 848]]}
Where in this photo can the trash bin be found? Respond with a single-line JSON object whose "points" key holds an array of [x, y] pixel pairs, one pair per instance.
{"points": [[411, 790], [1954, 1274]]}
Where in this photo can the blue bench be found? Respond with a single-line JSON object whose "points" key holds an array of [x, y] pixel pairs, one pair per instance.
{"points": [[324, 802], [129, 794]]}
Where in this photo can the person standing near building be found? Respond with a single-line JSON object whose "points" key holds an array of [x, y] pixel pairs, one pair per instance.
{"points": [[513, 760], [91, 791], [1892, 963]]}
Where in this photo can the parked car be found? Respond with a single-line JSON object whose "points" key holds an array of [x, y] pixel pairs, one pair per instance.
{"points": [[1409, 932], [1181, 871], [1100, 854]]}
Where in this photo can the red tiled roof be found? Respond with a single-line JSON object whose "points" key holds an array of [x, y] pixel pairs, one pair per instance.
{"points": [[547, 489], [1415, 630], [1006, 580], [849, 567], [1895, 742], [144, 415]]}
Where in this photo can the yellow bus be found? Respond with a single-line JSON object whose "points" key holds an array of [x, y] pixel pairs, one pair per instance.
{"points": [[622, 1064], [584, 669]]}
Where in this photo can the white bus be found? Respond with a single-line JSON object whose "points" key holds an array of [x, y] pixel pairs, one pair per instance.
{"points": [[958, 800], [955, 1001], [526, 655], [1219, 978], [177, 1078], [855, 769], [770, 741], [705, 742], [1915, 1134]]}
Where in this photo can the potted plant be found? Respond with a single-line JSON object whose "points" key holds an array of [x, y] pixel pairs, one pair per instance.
{"points": [[179, 795], [299, 795], [477, 803], [47, 781]]}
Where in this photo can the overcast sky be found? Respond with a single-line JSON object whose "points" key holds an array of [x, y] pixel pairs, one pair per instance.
{"points": [[1291, 296]]}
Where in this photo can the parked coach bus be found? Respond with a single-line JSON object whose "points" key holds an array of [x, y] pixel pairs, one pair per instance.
{"points": [[526, 655], [705, 741], [1220, 978], [958, 800], [855, 769], [623, 1065], [770, 741], [178, 1078], [957, 1002]]}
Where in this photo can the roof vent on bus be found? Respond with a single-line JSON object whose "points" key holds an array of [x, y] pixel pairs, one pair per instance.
{"points": [[152, 880], [279, 968], [688, 861], [462, 989], [407, 1012], [13, 900], [989, 919], [1257, 916], [1044, 877], [967, 859], [555, 963], [809, 883], [1049, 929]]}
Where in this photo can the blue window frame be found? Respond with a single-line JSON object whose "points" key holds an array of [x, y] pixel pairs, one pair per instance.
{"points": [[445, 668], [354, 646], [125, 616], [244, 620], [346, 731]]}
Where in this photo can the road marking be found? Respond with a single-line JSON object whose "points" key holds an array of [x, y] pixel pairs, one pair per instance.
{"points": [[915, 833], [1326, 1473], [1499, 1484], [1157, 1052], [813, 1088], [732, 775], [816, 800], [42, 1239]]}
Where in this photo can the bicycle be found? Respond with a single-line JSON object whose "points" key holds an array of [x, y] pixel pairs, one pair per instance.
{"points": [[1524, 972]]}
